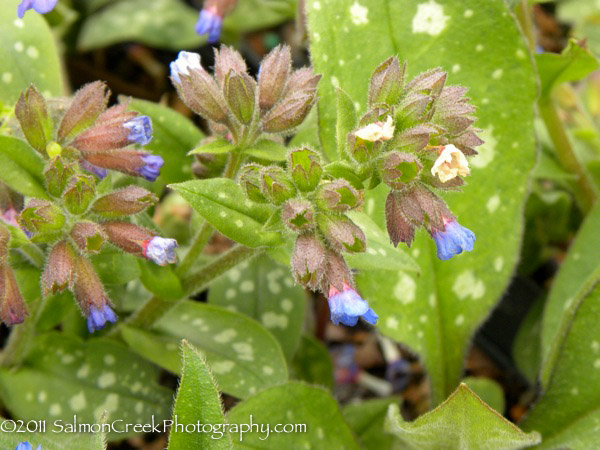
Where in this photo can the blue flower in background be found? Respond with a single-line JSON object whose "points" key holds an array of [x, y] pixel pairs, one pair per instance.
{"points": [[151, 170], [453, 240], [27, 446], [210, 23], [140, 130], [97, 318], [41, 6], [347, 306]]}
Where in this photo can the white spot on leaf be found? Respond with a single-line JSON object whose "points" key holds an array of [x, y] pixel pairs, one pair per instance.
{"points": [[430, 19], [406, 289], [358, 14], [487, 151], [467, 285], [493, 203]]}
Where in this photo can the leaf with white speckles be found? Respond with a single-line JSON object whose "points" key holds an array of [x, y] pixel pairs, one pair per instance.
{"points": [[265, 291], [28, 55], [480, 45], [293, 403], [243, 356], [312, 363], [65, 376], [367, 418], [197, 401]]}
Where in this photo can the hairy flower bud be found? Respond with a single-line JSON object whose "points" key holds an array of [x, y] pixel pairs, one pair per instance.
{"points": [[239, 91], [127, 236], [276, 185], [414, 139], [433, 207], [361, 150], [131, 162], [59, 272], [272, 76], [338, 196], [337, 273], [308, 261], [32, 112], [124, 202], [12, 306], [79, 193], [88, 236], [289, 113], [342, 233], [403, 215], [57, 173], [251, 181], [387, 82], [303, 79], [87, 105], [305, 168], [430, 82], [4, 240], [297, 215], [397, 169], [40, 216], [227, 59]]}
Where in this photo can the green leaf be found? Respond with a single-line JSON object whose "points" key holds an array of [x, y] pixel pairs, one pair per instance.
{"points": [[481, 47], [115, 267], [346, 121], [251, 15], [345, 170], [312, 363], [168, 24], [310, 408], [22, 167], [197, 401], [215, 147], [173, 136], [568, 412], [242, 355], [488, 390], [265, 291], [65, 376], [161, 281], [367, 420], [575, 63], [527, 346], [268, 150], [28, 55], [462, 421], [223, 204]]}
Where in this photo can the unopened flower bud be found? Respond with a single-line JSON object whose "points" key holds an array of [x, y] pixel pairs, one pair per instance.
{"points": [[91, 297], [429, 83], [414, 139], [450, 164], [276, 185], [397, 169], [79, 193], [59, 272], [338, 196], [342, 233], [4, 240], [272, 76], [337, 273], [227, 59], [403, 215], [289, 113], [88, 236], [112, 130], [32, 112], [87, 105], [124, 202], [305, 168], [12, 306], [160, 250], [185, 62], [300, 80], [414, 108], [387, 82], [127, 236], [98, 171], [40, 216], [433, 207], [308, 261], [131, 162], [297, 215], [467, 142], [58, 173], [251, 181], [362, 151], [239, 92]]}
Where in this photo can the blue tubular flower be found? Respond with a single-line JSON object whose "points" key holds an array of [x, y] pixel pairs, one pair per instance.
{"points": [[347, 306], [151, 169], [182, 65], [97, 318], [160, 250], [27, 446], [41, 6], [453, 240], [210, 23], [140, 130]]}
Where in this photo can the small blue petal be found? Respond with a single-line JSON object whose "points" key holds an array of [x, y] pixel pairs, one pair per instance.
{"points": [[151, 170], [347, 306], [98, 171], [182, 65], [161, 251], [140, 130], [41, 6], [97, 318], [453, 240], [24, 446], [211, 24]]}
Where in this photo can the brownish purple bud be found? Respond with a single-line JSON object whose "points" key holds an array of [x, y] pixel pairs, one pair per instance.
{"points": [[58, 172], [32, 112], [387, 82], [132, 162], [305, 168], [88, 236], [79, 193], [466, 142], [289, 113], [272, 76], [414, 108], [276, 186], [342, 233], [339, 196], [414, 139], [4, 241], [297, 214], [88, 104], [400, 227], [362, 150], [302, 79], [109, 132], [251, 181], [308, 261], [433, 208], [428, 83], [239, 89], [128, 237], [125, 202], [337, 273], [59, 272], [397, 169], [227, 59], [40, 216], [12, 306]]}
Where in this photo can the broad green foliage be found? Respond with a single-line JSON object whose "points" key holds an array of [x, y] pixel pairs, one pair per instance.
{"points": [[223, 204], [583, 15], [292, 403], [161, 281], [488, 390], [21, 167], [250, 15], [27, 55], [480, 46], [366, 419], [312, 363], [568, 413], [63, 376], [242, 355], [462, 421], [527, 343], [115, 267], [197, 401], [265, 291], [173, 136]]}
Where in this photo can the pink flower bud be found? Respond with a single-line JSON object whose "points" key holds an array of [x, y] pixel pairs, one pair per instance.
{"points": [[125, 202], [87, 105], [12, 306], [127, 236], [308, 261], [272, 76], [58, 274], [131, 162]]}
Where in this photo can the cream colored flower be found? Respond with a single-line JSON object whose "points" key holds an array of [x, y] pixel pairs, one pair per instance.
{"points": [[378, 131], [450, 164]]}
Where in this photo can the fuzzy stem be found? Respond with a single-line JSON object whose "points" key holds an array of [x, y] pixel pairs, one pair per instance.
{"points": [[200, 241]]}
